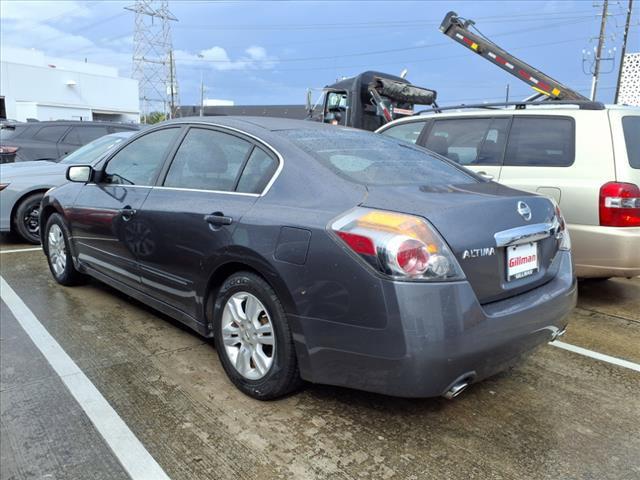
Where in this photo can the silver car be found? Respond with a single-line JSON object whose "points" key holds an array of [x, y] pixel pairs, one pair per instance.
{"points": [[23, 184]]}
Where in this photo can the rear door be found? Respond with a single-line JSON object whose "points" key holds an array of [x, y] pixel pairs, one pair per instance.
{"points": [[477, 143], [567, 157], [214, 178], [43, 145], [104, 221], [78, 136]]}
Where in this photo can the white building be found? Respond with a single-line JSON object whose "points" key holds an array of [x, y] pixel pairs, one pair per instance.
{"points": [[217, 102], [45, 88]]}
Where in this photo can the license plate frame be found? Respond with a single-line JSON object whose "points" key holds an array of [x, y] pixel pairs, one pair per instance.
{"points": [[522, 260]]}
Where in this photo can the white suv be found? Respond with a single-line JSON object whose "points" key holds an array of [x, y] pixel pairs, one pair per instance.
{"points": [[586, 156]]}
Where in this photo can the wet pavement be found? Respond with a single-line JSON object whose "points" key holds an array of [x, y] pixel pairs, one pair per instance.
{"points": [[557, 414]]}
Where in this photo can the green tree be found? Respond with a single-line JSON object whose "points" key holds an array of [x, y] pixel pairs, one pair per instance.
{"points": [[154, 117]]}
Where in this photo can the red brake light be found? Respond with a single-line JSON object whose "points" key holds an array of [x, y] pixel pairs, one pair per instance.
{"points": [[619, 205], [358, 243], [6, 149]]}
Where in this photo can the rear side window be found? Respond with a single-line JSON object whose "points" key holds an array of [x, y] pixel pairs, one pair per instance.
{"points": [[541, 142], [470, 141], [83, 135], [139, 162], [374, 159], [50, 134], [207, 160], [409, 132], [258, 171], [631, 128]]}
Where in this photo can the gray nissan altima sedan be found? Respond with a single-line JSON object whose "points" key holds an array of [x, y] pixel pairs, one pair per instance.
{"points": [[319, 253]]}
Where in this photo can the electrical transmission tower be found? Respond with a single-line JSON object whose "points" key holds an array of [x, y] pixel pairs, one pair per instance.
{"points": [[153, 61]]}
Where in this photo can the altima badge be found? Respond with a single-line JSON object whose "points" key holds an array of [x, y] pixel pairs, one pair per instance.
{"points": [[524, 211], [478, 252]]}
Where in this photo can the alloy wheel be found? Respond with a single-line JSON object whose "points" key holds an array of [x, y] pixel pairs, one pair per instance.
{"points": [[248, 335], [57, 250], [31, 221]]}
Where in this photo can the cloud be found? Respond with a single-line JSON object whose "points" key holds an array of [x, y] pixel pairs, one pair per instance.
{"points": [[50, 27], [44, 11], [254, 58]]}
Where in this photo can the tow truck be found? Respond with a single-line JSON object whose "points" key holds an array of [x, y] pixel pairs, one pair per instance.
{"points": [[368, 100]]}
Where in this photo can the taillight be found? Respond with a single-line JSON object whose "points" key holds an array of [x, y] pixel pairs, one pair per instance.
{"points": [[562, 234], [6, 149], [619, 205], [401, 246]]}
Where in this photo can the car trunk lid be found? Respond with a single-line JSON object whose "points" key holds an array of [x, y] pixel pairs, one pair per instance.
{"points": [[476, 220]]}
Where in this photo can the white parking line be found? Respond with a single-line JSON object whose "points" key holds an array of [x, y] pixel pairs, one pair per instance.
{"points": [[131, 454], [17, 250], [598, 356]]}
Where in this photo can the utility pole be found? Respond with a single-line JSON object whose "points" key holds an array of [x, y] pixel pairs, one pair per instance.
{"points": [[596, 70], [507, 99], [201, 94], [624, 49], [172, 103]]}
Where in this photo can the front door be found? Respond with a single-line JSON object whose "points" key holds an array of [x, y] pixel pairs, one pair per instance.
{"points": [[214, 178], [104, 224]]}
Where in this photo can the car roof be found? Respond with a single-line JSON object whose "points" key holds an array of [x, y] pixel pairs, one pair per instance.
{"points": [[65, 123], [272, 124]]}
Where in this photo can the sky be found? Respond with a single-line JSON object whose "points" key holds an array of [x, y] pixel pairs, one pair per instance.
{"points": [[271, 52]]}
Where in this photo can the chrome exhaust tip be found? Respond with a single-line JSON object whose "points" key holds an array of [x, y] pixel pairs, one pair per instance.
{"points": [[558, 333], [456, 389]]}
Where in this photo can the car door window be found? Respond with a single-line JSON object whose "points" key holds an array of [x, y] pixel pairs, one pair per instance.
{"points": [[139, 162], [258, 172], [82, 135], [409, 131], [207, 160], [469, 141], [541, 142], [51, 134]]}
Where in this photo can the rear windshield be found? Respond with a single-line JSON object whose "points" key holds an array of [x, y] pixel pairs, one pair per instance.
{"points": [[375, 159], [631, 128], [9, 131]]}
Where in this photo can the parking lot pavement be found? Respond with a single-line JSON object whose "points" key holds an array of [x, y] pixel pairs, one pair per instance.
{"points": [[557, 414]]}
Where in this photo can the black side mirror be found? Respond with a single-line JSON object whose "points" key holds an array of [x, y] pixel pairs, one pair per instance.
{"points": [[79, 173]]}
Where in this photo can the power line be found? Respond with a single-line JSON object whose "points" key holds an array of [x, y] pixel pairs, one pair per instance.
{"points": [[391, 50], [380, 23]]}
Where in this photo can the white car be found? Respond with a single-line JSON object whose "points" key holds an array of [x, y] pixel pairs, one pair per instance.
{"points": [[586, 156], [23, 184]]}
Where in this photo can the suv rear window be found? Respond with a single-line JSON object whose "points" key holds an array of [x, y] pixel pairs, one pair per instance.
{"points": [[541, 142], [373, 159], [631, 128]]}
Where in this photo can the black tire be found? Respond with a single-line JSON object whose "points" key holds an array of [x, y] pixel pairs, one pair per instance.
{"points": [[283, 376], [68, 275], [26, 220]]}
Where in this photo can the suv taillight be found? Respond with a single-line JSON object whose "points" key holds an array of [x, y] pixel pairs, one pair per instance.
{"points": [[6, 149], [619, 205]]}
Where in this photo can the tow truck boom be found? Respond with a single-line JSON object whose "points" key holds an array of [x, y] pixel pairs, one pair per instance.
{"points": [[458, 29]]}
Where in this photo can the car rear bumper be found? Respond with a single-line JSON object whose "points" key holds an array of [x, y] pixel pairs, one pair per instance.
{"points": [[436, 334], [605, 251]]}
